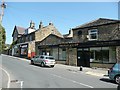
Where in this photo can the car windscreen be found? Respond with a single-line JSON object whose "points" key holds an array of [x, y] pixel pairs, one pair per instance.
{"points": [[50, 58], [117, 65]]}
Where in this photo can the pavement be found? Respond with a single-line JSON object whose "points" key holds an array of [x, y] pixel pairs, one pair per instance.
{"points": [[100, 72]]}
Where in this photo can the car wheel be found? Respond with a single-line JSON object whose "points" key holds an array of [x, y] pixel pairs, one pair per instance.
{"points": [[32, 62], [52, 65], [117, 79], [42, 64]]}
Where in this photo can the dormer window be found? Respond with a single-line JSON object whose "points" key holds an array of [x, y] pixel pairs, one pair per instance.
{"points": [[93, 34]]}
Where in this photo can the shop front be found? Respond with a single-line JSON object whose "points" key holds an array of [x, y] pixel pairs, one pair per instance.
{"points": [[23, 50], [97, 54]]}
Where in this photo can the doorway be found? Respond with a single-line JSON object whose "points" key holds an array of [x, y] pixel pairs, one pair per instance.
{"points": [[83, 57]]}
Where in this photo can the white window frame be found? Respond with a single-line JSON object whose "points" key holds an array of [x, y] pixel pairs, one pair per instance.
{"points": [[89, 33]]}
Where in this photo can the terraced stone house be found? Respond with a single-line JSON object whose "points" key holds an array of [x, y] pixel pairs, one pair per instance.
{"points": [[95, 44]]}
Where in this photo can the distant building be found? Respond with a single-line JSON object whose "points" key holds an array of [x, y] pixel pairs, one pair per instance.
{"points": [[17, 32], [23, 37]]}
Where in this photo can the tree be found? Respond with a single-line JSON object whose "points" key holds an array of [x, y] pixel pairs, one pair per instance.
{"points": [[2, 38]]}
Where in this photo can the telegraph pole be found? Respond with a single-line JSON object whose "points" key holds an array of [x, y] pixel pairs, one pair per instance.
{"points": [[2, 6]]}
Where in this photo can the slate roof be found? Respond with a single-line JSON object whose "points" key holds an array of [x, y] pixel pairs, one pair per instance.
{"points": [[100, 21], [20, 30]]}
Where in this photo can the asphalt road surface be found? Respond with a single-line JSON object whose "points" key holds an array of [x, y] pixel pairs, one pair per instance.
{"points": [[34, 76]]}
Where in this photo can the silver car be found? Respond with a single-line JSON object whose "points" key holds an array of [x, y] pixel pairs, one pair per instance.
{"points": [[43, 60]]}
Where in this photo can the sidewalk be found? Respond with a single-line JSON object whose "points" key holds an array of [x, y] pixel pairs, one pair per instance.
{"points": [[100, 72]]}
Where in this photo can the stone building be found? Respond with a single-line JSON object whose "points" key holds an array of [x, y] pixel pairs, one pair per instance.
{"points": [[25, 38], [95, 44], [29, 41], [47, 40]]}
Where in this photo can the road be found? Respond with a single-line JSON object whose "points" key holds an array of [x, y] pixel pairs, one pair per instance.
{"points": [[44, 77]]}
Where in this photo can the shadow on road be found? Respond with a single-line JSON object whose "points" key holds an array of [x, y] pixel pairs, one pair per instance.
{"points": [[107, 80], [40, 66]]}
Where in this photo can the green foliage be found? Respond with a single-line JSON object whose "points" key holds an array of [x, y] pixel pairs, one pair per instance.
{"points": [[2, 38], [13, 43]]}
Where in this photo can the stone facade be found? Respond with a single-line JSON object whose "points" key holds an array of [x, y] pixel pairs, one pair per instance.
{"points": [[25, 41], [71, 56], [118, 53], [105, 33], [48, 40], [98, 65], [50, 46], [107, 39], [43, 32]]}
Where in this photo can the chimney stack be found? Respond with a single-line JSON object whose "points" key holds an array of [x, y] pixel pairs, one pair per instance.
{"points": [[32, 24], [50, 23], [41, 25]]}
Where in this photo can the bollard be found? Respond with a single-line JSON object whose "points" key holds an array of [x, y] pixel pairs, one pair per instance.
{"points": [[80, 68]]}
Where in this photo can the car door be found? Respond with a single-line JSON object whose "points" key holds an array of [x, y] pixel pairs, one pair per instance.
{"points": [[36, 59], [39, 60]]}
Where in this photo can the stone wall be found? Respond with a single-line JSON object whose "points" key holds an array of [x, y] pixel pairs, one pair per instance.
{"points": [[46, 31], [71, 56], [118, 53], [98, 65], [105, 32]]}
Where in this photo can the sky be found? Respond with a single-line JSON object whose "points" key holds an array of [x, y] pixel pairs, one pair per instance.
{"points": [[64, 15]]}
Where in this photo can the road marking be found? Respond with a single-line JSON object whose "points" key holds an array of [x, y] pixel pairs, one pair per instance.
{"points": [[8, 84], [73, 81]]}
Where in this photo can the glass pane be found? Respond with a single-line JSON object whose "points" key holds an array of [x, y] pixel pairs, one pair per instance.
{"points": [[105, 54], [49, 58], [98, 56], [93, 36]]}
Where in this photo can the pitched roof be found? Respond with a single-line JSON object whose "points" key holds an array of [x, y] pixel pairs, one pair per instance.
{"points": [[100, 21], [20, 30], [46, 31]]}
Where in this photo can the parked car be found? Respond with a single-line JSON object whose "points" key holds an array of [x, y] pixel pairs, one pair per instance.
{"points": [[114, 73], [43, 60]]}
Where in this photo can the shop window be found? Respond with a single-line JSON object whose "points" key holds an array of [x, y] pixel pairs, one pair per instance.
{"points": [[24, 50], [93, 34], [64, 54], [103, 55]]}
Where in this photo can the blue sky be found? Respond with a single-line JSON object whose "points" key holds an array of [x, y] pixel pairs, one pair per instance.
{"points": [[64, 15]]}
